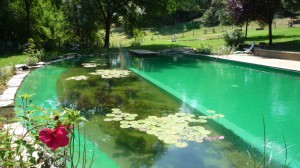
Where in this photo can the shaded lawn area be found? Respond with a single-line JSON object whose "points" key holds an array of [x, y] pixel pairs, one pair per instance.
{"points": [[284, 39], [10, 60]]}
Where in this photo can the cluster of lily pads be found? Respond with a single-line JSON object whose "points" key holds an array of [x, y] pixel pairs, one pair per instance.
{"points": [[111, 73], [78, 78], [91, 65], [172, 129]]}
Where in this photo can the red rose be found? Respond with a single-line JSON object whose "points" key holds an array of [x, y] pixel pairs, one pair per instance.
{"points": [[58, 137]]}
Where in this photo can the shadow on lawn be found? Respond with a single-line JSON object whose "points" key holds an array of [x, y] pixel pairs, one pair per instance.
{"points": [[266, 37], [289, 45], [286, 46]]}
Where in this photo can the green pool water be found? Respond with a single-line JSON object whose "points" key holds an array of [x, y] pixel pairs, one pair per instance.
{"points": [[42, 84], [241, 93], [164, 86]]}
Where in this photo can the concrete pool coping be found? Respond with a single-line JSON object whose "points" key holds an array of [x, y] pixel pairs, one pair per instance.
{"points": [[280, 64]]}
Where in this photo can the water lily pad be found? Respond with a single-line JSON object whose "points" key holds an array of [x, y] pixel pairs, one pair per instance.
{"points": [[116, 112], [181, 144], [93, 73], [143, 129], [150, 132], [170, 140], [210, 111], [125, 126], [108, 119], [202, 117], [219, 116], [124, 122], [129, 118], [201, 121], [110, 115], [89, 65], [199, 140], [117, 119], [180, 114], [78, 78]]}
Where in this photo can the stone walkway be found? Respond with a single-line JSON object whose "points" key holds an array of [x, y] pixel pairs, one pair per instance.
{"points": [[269, 62], [8, 96]]}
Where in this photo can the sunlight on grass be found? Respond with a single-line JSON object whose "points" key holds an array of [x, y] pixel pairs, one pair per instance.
{"points": [[12, 60], [284, 38]]}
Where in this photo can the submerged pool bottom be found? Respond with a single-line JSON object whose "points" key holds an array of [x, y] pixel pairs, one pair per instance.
{"points": [[113, 146]]}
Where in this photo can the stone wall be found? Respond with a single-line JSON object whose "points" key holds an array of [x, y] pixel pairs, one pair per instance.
{"points": [[277, 54]]}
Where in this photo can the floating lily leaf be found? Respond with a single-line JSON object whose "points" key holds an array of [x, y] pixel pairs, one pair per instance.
{"points": [[107, 119], [117, 119], [77, 78], [124, 122], [125, 126], [210, 111], [170, 129], [202, 117], [170, 140], [129, 118], [110, 115], [181, 144], [219, 116], [89, 65]]}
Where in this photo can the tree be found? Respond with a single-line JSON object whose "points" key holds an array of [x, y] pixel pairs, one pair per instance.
{"points": [[242, 11], [291, 4], [216, 14], [260, 10], [110, 10], [267, 9], [82, 21]]}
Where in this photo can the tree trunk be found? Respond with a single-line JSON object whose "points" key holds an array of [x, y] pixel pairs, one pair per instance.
{"points": [[246, 29], [270, 32], [27, 9], [107, 31], [107, 24]]}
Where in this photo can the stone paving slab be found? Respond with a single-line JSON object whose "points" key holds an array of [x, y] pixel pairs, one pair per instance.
{"points": [[8, 96]]}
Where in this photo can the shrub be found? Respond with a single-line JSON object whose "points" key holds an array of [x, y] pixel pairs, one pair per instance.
{"points": [[138, 37], [234, 38], [47, 140], [34, 55], [205, 50]]}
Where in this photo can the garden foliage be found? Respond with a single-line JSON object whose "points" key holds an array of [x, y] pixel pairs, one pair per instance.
{"points": [[234, 38], [48, 139]]}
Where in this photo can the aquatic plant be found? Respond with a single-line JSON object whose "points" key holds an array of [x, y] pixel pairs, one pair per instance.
{"points": [[78, 78], [89, 65], [111, 73], [171, 129]]}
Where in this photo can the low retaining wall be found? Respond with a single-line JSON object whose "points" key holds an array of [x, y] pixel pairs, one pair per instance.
{"points": [[277, 54]]}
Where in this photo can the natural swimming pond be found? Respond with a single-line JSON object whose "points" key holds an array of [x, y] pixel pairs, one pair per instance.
{"points": [[191, 86]]}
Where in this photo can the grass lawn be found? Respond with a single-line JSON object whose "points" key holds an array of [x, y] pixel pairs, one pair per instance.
{"points": [[284, 38], [10, 60]]}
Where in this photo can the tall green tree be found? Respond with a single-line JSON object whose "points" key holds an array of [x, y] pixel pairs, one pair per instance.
{"points": [[267, 10], [82, 21], [110, 10], [261, 10]]}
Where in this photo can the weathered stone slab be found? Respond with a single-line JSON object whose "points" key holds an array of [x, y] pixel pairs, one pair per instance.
{"points": [[10, 92], [14, 82], [6, 103]]}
